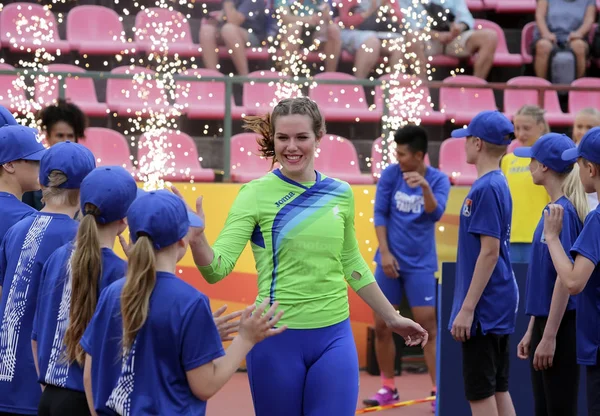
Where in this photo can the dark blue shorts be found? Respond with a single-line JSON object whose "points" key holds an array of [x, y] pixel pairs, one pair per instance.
{"points": [[420, 287]]}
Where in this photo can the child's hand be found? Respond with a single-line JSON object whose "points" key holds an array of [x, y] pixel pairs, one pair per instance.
{"points": [[553, 218], [523, 347], [254, 326], [461, 327], [226, 324]]}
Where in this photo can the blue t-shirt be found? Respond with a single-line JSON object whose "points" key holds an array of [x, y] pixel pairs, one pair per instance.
{"points": [[541, 276], [410, 230], [588, 301], [12, 211], [179, 335], [487, 211], [255, 17], [52, 315], [25, 249]]}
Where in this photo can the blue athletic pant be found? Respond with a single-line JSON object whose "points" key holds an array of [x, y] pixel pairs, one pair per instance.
{"points": [[305, 372]]}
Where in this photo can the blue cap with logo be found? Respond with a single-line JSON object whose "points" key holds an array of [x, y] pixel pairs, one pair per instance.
{"points": [[588, 148], [548, 150], [111, 189], [72, 159], [162, 216], [19, 143], [490, 126], [6, 117]]}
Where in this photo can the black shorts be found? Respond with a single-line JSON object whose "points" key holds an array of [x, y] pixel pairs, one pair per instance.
{"points": [[593, 387], [485, 365], [56, 401]]}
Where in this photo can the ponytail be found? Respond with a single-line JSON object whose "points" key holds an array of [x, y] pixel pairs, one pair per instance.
{"points": [[86, 268], [574, 191], [262, 125], [140, 282]]}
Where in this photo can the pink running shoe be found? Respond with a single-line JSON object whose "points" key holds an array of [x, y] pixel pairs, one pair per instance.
{"points": [[384, 396]]}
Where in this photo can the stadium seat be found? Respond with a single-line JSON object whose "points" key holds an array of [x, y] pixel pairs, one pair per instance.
{"points": [[339, 102], [526, 39], [258, 97], [12, 96], [337, 158], [377, 157], [514, 6], [156, 28], [183, 163], [502, 57], [513, 145], [515, 99], [128, 97], [422, 108], [96, 30], [27, 27], [108, 146], [453, 162], [246, 164], [80, 91], [476, 5], [462, 104], [204, 99], [579, 100]]}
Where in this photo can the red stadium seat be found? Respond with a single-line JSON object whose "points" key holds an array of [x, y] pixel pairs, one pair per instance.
{"points": [[12, 95], [158, 28], [420, 98], [108, 146], [96, 30], [502, 57], [138, 96], [338, 159], [515, 6], [462, 104], [259, 97], [515, 99], [526, 39], [453, 162], [80, 91], [182, 162], [377, 157], [578, 100], [246, 164], [27, 27], [513, 145], [339, 102], [204, 99]]}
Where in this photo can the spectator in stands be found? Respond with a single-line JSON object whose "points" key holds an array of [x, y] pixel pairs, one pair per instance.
{"points": [[561, 23], [585, 119], [528, 198], [240, 24], [452, 33]]}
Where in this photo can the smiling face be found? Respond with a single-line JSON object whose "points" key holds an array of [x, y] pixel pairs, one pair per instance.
{"points": [[295, 145], [583, 123]]}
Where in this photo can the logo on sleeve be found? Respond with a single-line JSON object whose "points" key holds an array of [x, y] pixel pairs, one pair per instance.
{"points": [[466, 210], [285, 199]]}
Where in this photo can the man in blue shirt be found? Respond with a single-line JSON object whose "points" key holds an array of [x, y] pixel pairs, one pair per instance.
{"points": [[411, 197], [485, 294]]}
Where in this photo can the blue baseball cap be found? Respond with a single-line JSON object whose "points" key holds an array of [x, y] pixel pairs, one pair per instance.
{"points": [[111, 189], [548, 150], [72, 159], [19, 143], [490, 126], [588, 148], [162, 216], [6, 117]]}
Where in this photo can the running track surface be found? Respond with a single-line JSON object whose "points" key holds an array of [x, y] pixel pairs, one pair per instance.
{"points": [[235, 399]]}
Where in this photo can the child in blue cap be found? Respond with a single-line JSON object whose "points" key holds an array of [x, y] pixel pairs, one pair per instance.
{"points": [[165, 355], [24, 250], [485, 294], [72, 280], [549, 340], [582, 276], [20, 154]]}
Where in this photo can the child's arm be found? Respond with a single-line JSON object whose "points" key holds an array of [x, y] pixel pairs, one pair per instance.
{"points": [[523, 347], [87, 383]]}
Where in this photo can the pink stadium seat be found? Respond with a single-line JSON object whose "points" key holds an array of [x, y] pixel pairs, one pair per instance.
{"points": [[453, 162], [183, 162], [515, 6], [526, 39], [246, 164], [461, 104], [579, 100], [129, 97], [513, 145], [340, 102], [258, 97], [81, 91], [515, 99], [252, 54], [27, 27], [377, 157], [502, 57], [338, 159], [423, 109], [204, 100], [476, 5], [96, 30], [108, 146], [12, 96], [155, 25]]}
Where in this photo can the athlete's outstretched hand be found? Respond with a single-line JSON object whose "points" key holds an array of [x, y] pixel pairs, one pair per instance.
{"points": [[226, 324], [256, 324], [199, 211], [553, 219], [412, 332]]}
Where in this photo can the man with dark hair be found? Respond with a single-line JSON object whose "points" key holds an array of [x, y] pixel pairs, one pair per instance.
{"points": [[411, 197]]}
